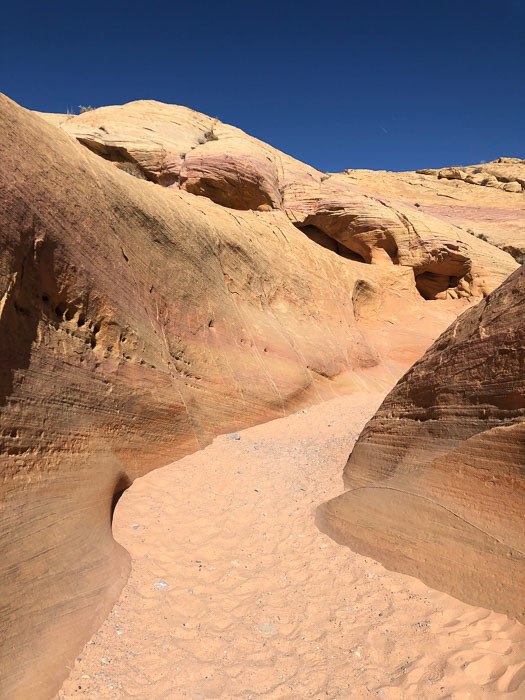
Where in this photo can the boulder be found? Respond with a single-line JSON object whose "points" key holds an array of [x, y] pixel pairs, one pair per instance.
{"points": [[452, 173], [512, 186]]}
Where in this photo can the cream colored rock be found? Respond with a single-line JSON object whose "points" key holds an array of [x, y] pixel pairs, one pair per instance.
{"points": [[183, 149], [476, 178], [494, 174], [452, 173], [495, 216], [490, 181], [138, 322], [504, 169], [512, 186], [241, 178]]}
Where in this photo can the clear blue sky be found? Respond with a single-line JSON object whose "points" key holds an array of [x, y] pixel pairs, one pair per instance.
{"points": [[395, 85]]}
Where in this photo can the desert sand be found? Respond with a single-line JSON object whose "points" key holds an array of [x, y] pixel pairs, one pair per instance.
{"points": [[235, 593]]}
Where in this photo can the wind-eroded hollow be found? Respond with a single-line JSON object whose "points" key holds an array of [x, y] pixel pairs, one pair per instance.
{"points": [[432, 285], [317, 236]]}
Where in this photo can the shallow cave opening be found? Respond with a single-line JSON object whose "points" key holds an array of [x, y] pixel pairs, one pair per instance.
{"points": [[167, 179], [119, 156], [432, 285], [123, 483], [317, 236]]}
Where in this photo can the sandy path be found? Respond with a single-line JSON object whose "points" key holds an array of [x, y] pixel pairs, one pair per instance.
{"points": [[234, 592]]}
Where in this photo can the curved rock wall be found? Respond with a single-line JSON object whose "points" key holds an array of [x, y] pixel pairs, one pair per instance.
{"points": [[436, 481], [177, 147], [138, 322]]}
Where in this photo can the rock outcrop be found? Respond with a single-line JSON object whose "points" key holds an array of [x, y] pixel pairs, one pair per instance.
{"points": [[493, 213], [139, 321], [507, 174], [437, 478], [182, 149]]}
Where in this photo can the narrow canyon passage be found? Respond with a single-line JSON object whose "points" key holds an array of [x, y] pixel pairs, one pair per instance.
{"points": [[234, 592]]}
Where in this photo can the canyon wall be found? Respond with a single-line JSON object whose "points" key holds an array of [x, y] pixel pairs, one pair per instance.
{"points": [[165, 278], [436, 481]]}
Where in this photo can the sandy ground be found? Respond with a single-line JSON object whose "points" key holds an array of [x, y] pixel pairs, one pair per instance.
{"points": [[234, 593]]}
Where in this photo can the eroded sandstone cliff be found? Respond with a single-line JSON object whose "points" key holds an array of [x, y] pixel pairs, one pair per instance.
{"points": [[183, 149], [486, 201], [436, 481], [140, 320]]}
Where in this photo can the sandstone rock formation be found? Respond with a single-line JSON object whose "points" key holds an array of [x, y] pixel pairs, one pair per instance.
{"points": [[494, 212], [140, 320], [179, 148], [507, 174], [499, 173], [437, 478]]}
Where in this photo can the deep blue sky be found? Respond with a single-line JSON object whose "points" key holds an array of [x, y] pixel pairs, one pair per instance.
{"points": [[395, 85]]}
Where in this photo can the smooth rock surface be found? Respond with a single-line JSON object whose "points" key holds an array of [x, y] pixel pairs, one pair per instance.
{"points": [[489, 204], [178, 147], [436, 481]]}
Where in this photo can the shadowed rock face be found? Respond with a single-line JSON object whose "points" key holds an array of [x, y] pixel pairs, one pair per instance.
{"points": [[139, 321], [437, 478]]}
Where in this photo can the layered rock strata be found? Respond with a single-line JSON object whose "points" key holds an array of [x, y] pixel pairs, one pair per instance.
{"points": [[183, 149], [436, 481]]}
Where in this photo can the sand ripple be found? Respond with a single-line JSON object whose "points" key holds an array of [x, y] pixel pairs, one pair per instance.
{"points": [[234, 592]]}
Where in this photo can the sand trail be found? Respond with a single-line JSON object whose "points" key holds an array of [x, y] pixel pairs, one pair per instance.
{"points": [[234, 593]]}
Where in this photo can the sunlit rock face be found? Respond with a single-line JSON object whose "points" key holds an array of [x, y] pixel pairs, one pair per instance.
{"points": [[165, 278], [436, 481], [379, 222]]}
